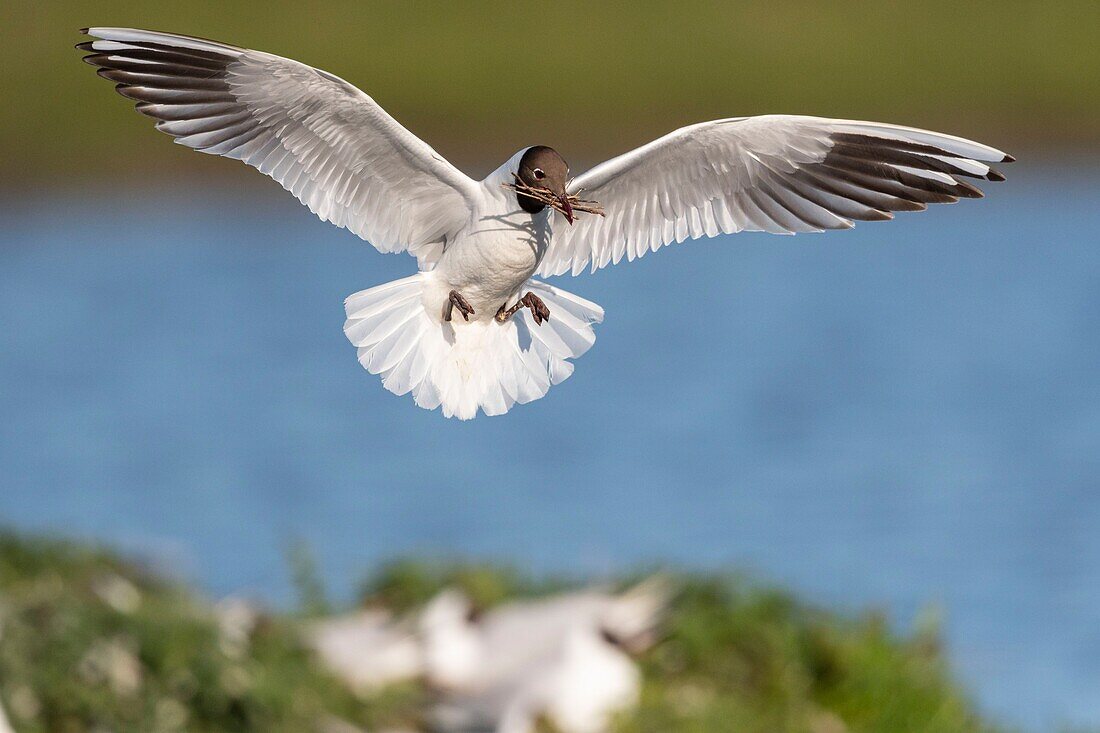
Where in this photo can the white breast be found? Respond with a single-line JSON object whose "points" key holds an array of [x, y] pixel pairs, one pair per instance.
{"points": [[490, 260]]}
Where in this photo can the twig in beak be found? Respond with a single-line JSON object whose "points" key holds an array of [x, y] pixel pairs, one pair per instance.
{"points": [[566, 205]]}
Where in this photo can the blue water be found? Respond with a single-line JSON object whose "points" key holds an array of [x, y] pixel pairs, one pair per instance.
{"points": [[904, 416]]}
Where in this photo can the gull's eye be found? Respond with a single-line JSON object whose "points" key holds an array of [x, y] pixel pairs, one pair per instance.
{"points": [[539, 175]]}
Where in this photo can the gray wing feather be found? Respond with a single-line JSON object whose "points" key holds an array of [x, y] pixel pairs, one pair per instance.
{"points": [[321, 138], [775, 173]]}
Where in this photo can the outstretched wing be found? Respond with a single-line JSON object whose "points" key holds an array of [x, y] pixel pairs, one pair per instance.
{"points": [[323, 139], [775, 173]]}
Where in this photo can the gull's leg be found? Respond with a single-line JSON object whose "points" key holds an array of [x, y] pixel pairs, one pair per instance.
{"points": [[538, 309], [464, 307], [503, 314]]}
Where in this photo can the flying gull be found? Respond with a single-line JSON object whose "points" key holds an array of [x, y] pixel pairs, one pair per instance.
{"points": [[473, 329]]}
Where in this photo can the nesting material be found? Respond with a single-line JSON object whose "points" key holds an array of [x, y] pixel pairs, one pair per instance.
{"points": [[546, 198]]}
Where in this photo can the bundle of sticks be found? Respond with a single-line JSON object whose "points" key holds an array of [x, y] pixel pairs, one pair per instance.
{"points": [[546, 198]]}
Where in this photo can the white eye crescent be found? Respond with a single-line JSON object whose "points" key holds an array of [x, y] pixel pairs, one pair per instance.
{"points": [[539, 175]]}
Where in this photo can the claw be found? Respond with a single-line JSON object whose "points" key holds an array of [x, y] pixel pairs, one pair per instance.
{"points": [[455, 299], [538, 308]]}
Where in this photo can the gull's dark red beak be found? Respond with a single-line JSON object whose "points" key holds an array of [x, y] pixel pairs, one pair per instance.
{"points": [[566, 207]]}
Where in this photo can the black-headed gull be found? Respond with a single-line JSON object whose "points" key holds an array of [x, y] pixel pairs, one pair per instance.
{"points": [[473, 330]]}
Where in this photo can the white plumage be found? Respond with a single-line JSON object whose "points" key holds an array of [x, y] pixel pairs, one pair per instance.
{"points": [[352, 164], [564, 658], [463, 367], [367, 650], [770, 174]]}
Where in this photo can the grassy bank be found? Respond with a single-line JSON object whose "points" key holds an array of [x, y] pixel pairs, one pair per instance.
{"points": [[89, 641], [479, 80]]}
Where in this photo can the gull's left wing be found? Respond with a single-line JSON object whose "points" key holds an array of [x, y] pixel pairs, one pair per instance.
{"points": [[323, 139], [775, 173]]}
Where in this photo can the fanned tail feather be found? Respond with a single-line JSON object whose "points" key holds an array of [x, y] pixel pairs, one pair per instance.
{"points": [[465, 367]]}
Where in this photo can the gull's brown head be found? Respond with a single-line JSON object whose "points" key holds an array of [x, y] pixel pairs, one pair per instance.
{"points": [[543, 168]]}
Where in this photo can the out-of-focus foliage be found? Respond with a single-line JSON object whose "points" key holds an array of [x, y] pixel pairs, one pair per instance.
{"points": [[740, 657], [756, 661], [91, 642], [480, 80], [403, 585]]}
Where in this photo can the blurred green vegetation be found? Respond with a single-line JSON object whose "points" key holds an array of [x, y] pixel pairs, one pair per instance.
{"points": [[89, 641], [480, 80]]}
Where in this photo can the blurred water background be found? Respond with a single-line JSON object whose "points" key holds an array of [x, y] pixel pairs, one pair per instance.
{"points": [[904, 416]]}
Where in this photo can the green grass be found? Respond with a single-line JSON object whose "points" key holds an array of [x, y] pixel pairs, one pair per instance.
{"points": [[481, 80], [735, 656]]}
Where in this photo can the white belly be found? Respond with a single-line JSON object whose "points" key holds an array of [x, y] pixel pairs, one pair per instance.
{"points": [[490, 261]]}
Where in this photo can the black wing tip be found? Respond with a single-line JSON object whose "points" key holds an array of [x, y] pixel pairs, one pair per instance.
{"points": [[84, 30], [124, 90], [877, 215], [965, 190], [1008, 158], [995, 176]]}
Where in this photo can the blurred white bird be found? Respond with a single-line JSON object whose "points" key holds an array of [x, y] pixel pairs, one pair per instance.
{"points": [[479, 244], [564, 658], [367, 650], [451, 642]]}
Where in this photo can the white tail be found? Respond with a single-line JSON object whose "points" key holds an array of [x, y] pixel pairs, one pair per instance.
{"points": [[463, 367]]}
